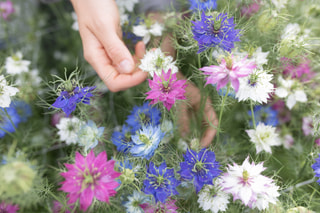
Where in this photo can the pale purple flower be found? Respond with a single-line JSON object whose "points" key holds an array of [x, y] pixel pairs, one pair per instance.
{"points": [[6, 9], [251, 9], [307, 126], [166, 89], [168, 207], [228, 71]]}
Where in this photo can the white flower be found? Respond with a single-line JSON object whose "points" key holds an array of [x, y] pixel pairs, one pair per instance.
{"points": [[68, 129], [134, 201], [89, 135], [154, 61], [287, 141], [290, 30], [256, 87], [167, 128], [246, 183], [264, 137], [15, 64], [279, 4], [211, 197], [146, 30], [258, 57], [75, 25], [290, 89], [30, 78], [126, 4], [182, 145], [6, 92]]}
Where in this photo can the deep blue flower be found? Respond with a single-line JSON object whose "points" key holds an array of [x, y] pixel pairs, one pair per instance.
{"points": [[200, 167], [122, 139], [215, 32], [67, 101], [142, 116], [23, 109], [160, 182], [264, 114], [8, 124], [203, 5], [316, 168], [146, 141]]}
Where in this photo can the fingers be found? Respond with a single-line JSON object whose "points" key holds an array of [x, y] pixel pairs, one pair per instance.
{"points": [[183, 119], [211, 123]]}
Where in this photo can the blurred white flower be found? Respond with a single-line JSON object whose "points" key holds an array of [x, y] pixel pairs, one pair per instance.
{"points": [[6, 92], [15, 65], [31, 78], [154, 61], [75, 25], [127, 5], [68, 129], [89, 135], [279, 4], [291, 91], [146, 30], [256, 87], [264, 136]]}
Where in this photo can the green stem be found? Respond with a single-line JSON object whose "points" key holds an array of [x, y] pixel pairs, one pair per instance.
{"points": [[199, 61], [252, 115], [221, 111]]}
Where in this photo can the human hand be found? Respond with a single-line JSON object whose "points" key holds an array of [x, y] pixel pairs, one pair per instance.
{"points": [[100, 31]]}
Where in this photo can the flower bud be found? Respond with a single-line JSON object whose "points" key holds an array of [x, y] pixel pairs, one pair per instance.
{"points": [[195, 144], [299, 209], [267, 21]]}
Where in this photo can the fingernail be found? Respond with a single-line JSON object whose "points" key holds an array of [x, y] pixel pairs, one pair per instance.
{"points": [[125, 66]]}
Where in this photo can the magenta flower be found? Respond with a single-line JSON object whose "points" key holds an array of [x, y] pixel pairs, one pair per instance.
{"points": [[228, 71], [8, 208], [251, 9], [90, 177], [301, 71], [168, 207], [6, 9], [166, 88]]}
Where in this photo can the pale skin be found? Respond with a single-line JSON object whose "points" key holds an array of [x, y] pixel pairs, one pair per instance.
{"points": [[99, 27]]}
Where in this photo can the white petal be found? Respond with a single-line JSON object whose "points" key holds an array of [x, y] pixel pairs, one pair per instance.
{"points": [[300, 96], [146, 38], [291, 101], [140, 30], [281, 92]]}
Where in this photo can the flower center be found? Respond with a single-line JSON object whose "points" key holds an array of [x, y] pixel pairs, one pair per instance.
{"points": [[198, 166], [245, 176], [145, 119], [264, 136], [144, 139], [159, 63], [229, 62], [252, 81]]}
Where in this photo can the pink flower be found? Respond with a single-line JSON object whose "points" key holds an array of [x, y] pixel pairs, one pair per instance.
{"points": [[168, 207], [302, 70], [58, 207], [250, 9], [166, 88], [228, 70], [8, 208], [6, 9], [307, 126], [90, 177], [317, 141]]}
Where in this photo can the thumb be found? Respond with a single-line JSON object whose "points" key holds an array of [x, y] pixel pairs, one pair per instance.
{"points": [[118, 53]]}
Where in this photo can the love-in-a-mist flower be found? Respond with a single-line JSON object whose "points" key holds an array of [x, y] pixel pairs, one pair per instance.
{"points": [[255, 55], [301, 71], [256, 86], [245, 182], [292, 91], [201, 167], [166, 88], [146, 141], [264, 114], [264, 137], [89, 135], [155, 61], [215, 31], [127, 5], [316, 168], [15, 65], [203, 5], [90, 177], [168, 207], [212, 198], [160, 182], [71, 96], [23, 109], [8, 208], [6, 92], [9, 120], [250, 9], [134, 201], [58, 207], [142, 116], [122, 139], [68, 129], [128, 171], [6, 9], [147, 29], [227, 71]]}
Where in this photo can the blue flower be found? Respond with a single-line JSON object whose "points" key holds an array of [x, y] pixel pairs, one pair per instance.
{"points": [[134, 202], [264, 114], [215, 32], [160, 182], [203, 5], [202, 167], [8, 124], [142, 116], [146, 141], [316, 168], [122, 139], [67, 101], [23, 109], [89, 135], [223, 91]]}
